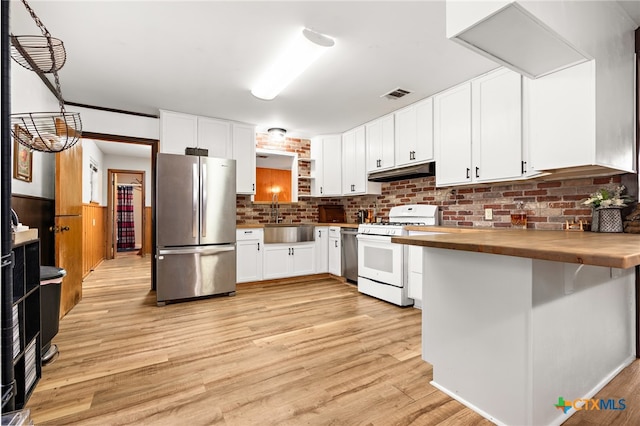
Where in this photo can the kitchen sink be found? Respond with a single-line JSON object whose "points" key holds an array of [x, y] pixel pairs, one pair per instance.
{"points": [[277, 233]]}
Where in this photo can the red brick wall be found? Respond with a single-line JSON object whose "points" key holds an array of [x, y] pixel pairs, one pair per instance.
{"points": [[548, 203]]}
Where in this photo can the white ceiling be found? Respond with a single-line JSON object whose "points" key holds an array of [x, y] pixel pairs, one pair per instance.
{"points": [[202, 57]]}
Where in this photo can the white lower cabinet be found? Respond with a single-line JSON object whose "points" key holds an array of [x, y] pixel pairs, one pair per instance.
{"points": [[288, 260], [335, 251], [322, 249], [249, 249]]}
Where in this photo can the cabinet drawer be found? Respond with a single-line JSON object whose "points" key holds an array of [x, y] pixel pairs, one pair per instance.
{"points": [[249, 234]]}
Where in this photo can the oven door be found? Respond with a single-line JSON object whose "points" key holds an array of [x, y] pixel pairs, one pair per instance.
{"points": [[380, 260]]}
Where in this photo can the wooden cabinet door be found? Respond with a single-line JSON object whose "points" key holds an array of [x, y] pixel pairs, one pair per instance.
{"points": [[68, 224]]}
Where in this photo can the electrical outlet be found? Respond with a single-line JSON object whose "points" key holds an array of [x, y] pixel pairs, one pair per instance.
{"points": [[488, 214]]}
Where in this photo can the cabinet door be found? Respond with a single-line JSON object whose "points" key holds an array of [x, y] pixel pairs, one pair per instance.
{"points": [[423, 148], [177, 132], [452, 135], [276, 261], [388, 141], [335, 256], [244, 152], [249, 264], [374, 146], [303, 259], [215, 136], [562, 126], [406, 133], [497, 126], [331, 166], [348, 162], [322, 249], [359, 161]]}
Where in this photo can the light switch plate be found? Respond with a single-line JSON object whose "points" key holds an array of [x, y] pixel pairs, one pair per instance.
{"points": [[488, 214]]}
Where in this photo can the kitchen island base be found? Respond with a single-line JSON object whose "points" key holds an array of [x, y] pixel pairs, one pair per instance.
{"points": [[508, 336]]}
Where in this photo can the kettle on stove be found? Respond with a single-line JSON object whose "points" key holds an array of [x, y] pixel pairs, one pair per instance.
{"points": [[362, 216]]}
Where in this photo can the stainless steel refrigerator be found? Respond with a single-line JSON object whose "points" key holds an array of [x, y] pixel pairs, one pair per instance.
{"points": [[196, 227]]}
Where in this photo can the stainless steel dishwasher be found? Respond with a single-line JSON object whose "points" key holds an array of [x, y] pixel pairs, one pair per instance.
{"points": [[349, 254]]}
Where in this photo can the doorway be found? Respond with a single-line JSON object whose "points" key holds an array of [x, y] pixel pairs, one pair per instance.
{"points": [[127, 217]]}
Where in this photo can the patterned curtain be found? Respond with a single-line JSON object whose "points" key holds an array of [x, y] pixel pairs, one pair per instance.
{"points": [[126, 230]]}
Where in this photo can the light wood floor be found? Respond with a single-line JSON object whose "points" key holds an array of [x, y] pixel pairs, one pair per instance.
{"points": [[313, 352]]}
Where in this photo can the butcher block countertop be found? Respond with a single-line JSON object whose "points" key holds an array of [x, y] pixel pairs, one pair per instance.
{"points": [[262, 225], [590, 248]]}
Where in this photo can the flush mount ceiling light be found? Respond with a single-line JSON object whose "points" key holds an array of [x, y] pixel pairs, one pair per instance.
{"points": [[303, 50], [276, 133]]}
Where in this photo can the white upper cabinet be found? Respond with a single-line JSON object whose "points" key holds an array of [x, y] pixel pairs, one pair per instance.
{"points": [[354, 155], [244, 152], [452, 135], [177, 132], [215, 136], [497, 126], [326, 151], [380, 138], [222, 139], [414, 133], [478, 130]]}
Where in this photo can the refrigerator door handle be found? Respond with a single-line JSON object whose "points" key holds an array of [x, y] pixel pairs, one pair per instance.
{"points": [[196, 250], [203, 215], [194, 201]]}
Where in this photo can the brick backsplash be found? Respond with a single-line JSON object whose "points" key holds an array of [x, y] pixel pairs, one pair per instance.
{"points": [[548, 203]]}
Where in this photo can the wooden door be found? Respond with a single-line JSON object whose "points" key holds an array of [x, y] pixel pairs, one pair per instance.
{"points": [[68, 224]]}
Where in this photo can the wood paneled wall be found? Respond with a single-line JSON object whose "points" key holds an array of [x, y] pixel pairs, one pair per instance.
{"points": [[94, 221], [36, 212], [147, 247]]}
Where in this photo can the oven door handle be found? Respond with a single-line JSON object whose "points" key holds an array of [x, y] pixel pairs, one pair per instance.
{"points": [[378, 238]]}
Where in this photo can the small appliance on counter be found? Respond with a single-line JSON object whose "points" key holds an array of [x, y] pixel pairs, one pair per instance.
{"points": [[329, 213], [362, 216]]}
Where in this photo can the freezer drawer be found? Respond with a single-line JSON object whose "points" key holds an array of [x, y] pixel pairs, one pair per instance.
{"points": [[188, 272]]}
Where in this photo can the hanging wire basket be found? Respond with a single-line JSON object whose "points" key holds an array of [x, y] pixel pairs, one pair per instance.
{"points": [[38, 53], [47, 131]]}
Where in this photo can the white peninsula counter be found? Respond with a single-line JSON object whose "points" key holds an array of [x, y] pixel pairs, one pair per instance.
{"points": [[514, 319]]}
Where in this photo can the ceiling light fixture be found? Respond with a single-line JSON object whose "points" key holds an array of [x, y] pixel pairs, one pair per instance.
{"points": [[277, 134], [304, 49]]}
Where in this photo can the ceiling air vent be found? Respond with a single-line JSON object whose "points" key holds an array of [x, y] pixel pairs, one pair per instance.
{"points": [[396, 93]]}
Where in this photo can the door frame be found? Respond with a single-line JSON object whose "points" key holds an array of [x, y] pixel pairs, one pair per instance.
{"points": [[111, 210], [155, 146]]}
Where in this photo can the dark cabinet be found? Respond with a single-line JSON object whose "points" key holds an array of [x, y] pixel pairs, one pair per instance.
{"points": [[23, 324]]}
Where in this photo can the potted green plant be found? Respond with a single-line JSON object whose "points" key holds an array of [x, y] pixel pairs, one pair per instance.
{"points": [[607, 204]]}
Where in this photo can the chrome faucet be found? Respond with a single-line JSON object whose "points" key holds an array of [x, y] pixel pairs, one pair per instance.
{"points": [[274, 208]]}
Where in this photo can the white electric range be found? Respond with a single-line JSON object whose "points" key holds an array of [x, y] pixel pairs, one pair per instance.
{"points": [[382, 265]]}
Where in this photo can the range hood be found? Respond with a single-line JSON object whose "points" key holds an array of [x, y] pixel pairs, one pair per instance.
{"points": [[409, 172], [513, 37]]}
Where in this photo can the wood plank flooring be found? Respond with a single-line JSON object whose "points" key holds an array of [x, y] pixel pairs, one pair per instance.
{"points": [[312, 352]]}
